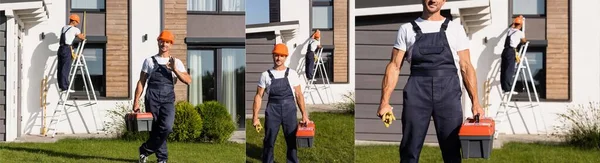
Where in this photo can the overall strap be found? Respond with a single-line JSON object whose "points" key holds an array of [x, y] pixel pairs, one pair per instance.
{"points": [[287, 70], [67, 29], [270, 74], [445, 25], [154, 69], [416, 27]]}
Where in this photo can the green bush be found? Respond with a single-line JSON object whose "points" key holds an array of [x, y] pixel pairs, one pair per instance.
{"points": [[117, 124], [581, 126], [218, 123], [348, 105], [188, 123]]}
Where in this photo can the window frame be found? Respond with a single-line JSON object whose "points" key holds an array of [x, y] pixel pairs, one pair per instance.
{"points": [[70, 7], [527, 15], [218, 10], [317, 3], [99, 93]]}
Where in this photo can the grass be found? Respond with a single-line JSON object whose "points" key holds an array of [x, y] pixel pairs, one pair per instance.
{"points": [[510, 152], [334, 140], [111, 150]]}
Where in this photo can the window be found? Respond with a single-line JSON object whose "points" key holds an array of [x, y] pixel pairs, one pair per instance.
{"points": [[529, 7], [322, 14], [536, 59], [218, 74], [327, 57], [94, 57], [217, 6], [87, 4]]}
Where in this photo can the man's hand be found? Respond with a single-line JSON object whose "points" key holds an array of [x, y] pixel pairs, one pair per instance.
{"points": [[383, 109], [476, 109], [256, 124], [305, 119], [81, 36], [136, 107], [171, 64]]}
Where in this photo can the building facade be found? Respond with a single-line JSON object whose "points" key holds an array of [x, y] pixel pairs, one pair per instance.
{"points": [[120, 35], [561, 43]]}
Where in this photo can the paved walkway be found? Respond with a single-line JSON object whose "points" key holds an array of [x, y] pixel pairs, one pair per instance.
{"points": [[498, 143]]}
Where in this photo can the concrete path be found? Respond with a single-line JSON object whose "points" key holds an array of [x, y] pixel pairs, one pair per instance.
{"points": [[498, 143]]}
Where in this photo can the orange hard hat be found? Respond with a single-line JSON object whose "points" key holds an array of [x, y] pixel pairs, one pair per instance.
{"points": [[280, 49], [317, 35], [518, 20], [166, 36], [74, 17]]}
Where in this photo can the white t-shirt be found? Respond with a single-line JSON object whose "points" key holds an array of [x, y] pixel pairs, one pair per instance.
{"points": [[148, 65], [314, 44], [265, 79], [515, 37], [70, 35], [455, 33]]}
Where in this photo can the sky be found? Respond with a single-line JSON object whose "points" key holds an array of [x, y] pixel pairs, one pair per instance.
{"points": [[257, 11]]}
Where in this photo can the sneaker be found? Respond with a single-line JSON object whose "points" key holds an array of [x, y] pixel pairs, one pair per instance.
{"points": [[143, 158]]}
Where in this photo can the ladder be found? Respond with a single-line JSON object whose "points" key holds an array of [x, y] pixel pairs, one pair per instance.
{"points": [[522, 70], [311, 86], [79, 64]]}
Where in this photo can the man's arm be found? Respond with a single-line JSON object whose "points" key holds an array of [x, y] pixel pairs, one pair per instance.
{"points": [[257, 101], [140, 87], [182, 76], [391, 75], [300, 101], [469, 75]]}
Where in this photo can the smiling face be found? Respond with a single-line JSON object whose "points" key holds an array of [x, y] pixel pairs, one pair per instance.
{"points": [[164, 46], [433, 6], [279, 60]]}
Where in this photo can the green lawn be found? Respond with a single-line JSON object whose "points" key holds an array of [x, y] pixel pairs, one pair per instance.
{"points": [[510, 152], [107, 150], [334, 140]]}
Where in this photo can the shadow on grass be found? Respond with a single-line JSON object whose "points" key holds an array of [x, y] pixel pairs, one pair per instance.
{"points": [[62, 154], [253, 151]]}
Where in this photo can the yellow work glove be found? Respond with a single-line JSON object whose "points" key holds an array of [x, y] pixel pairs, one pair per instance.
{"points": [[73, 56], [258, 127], [517, 58], [388, 118]]}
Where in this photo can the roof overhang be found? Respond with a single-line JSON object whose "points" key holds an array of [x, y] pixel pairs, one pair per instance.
{"points": [[473, 14], [27, 11], [283, 30]]}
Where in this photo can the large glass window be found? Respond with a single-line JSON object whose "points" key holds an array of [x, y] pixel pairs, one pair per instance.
{"points": [[218, 74], [94, 57], [327, 59], [322, 17], [535, 57], [233, 64], [202, 71], [529, 7], [87, 4], [216, 5]]}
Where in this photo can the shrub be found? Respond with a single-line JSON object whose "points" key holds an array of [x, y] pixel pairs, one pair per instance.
{"points": [[188, 123], [581, 126], [348, 104], [117, 124], [218, 123]]}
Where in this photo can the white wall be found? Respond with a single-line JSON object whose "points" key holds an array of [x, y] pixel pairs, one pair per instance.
{"points": [[11, 73], [39, 59], [300, 11], [585, 59]]}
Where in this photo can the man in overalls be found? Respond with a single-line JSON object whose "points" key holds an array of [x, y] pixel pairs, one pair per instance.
{"points": [[161, 71], [509, 54], [283, 87], [65, 51], [435, 48], [313, 44]]}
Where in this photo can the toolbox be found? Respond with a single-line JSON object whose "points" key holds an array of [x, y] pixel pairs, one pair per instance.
{"points": [[305, 135], [138, 122], [477, 137]]}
